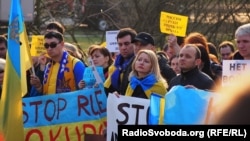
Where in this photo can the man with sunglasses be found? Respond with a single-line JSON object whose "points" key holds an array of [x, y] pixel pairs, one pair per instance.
{"points": [[63, 72]]}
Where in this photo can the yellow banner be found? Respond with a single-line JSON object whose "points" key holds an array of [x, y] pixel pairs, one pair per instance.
{"points": [[66, 132], [173, 24]]}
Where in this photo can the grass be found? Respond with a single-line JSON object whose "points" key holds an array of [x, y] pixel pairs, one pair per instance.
{"points": [[85, 41]]}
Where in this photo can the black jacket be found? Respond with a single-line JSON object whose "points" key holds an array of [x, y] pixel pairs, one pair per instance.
{"points": [[166, 71], [125, 81], [193, 77]]}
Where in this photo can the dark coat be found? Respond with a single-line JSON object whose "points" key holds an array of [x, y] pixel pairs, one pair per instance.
{"points": [[193, 77]]}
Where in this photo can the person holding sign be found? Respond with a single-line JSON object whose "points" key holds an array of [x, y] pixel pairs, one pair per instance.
{"points": [[145, 77], [101, 57], [62, 71], [191, 76]]}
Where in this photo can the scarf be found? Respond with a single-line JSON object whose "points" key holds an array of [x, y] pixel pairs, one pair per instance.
{"points": [[120, 65], [65, 81], [149, 85]]}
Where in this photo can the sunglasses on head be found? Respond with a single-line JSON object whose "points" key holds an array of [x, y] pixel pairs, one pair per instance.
{"points": [[51, 45]]}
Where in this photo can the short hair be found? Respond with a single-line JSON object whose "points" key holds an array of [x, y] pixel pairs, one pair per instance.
{"points": [[3, 39], [198, 52], [104, 51], [56, 26], [226, 44], [243, 30], [54, 34], [126, 31]]}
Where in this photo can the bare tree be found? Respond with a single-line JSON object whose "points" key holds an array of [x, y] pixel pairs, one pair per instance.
{"points": [[216, 19]]}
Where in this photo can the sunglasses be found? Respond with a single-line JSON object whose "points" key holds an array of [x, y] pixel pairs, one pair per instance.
{"points": [[51, 45]]}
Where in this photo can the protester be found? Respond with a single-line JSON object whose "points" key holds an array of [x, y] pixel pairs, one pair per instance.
{"points": [[118, 72], [205, 65], [62, 72], [191, 76], [168, 51], [198, 38], [242, 37], [145, 77], [226, 50], [57, 26], [213, 52], [174, 44], [72, 49], [173, 62], [101, 58], [144, 40]]}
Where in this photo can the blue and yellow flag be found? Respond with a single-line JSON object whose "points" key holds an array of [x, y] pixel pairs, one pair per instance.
{"points": [[18, 60], [156, 109]]}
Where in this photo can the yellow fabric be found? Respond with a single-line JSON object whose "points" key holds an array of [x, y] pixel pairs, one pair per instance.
{"points": [[162, 108], [107, 82], [26, 61], [158, 88], [52, 80], [69, 79]]}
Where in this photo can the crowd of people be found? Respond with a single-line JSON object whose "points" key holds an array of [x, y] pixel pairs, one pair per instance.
{"points": [[139, 69]]}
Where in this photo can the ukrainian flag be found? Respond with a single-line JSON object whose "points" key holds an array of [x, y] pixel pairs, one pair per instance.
{"points": [[156, 109], [18, 60]]}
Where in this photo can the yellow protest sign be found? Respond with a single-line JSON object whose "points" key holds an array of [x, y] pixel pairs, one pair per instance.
{"points": [[173, 24], [37, 46]]}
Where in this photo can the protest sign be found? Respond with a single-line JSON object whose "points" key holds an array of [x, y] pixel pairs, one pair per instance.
{"points": [[232, 70], [124, 110], [37, 45], [111, 41], [173, 24], [65, 116]]}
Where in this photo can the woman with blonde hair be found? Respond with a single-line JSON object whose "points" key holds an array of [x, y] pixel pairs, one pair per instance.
{"points": [[145, 77]]}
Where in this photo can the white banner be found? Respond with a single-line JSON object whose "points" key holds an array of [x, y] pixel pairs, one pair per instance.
{"points": [[124, 110], [111, 41], [232, 70]]}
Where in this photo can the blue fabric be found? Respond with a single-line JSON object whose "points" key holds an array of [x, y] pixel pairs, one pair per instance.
{"points": [[145, 83], [186, 105], [154, 109], [62, 68], [33, 92], [79, 69], [120, 65]]}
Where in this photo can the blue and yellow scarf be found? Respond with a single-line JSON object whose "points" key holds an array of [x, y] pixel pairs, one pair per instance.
{"points": [[120, 65], [65, 80], [149, 85]]}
